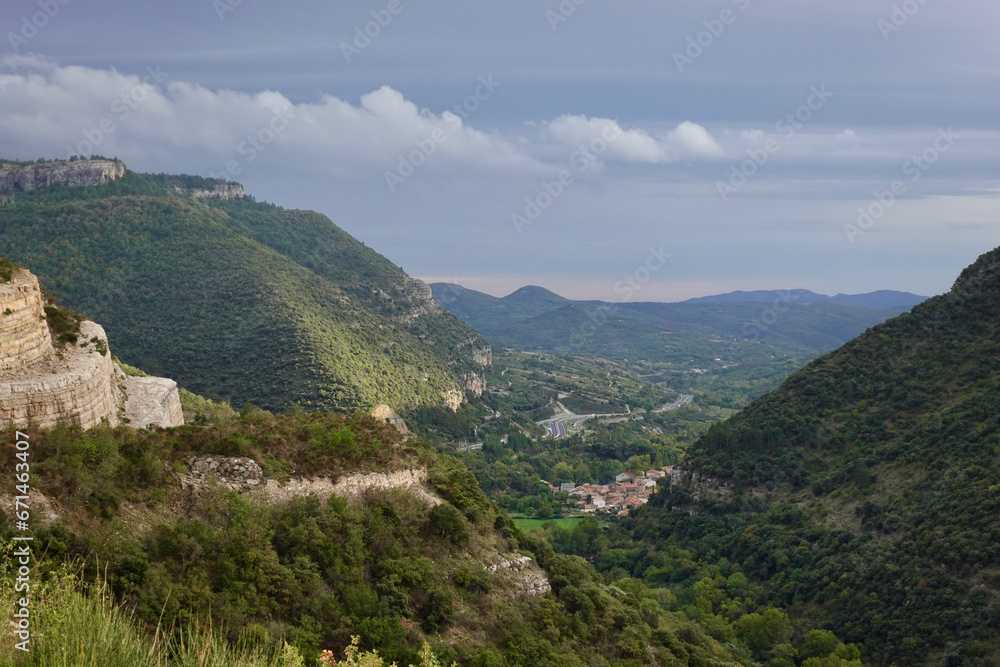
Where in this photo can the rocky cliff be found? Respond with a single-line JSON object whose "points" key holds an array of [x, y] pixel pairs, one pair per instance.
{"points": [[77, 382], [223, 191], [24, 336], [28, 177]]}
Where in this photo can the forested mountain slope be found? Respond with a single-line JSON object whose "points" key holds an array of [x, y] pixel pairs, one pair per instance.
{"points": [[865, 491], [242, 300]]}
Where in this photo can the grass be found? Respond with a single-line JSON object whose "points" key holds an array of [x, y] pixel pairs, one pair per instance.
{"points": [[75, 627], [569, 523]]}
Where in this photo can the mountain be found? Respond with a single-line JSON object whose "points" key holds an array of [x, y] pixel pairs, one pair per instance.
{"points": [[881, 299], [877, 299], [797, 323], [477, 308], [234, 298], [862, 493]]}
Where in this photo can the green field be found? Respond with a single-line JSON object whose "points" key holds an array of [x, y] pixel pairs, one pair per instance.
{"points": [[568, 523]]}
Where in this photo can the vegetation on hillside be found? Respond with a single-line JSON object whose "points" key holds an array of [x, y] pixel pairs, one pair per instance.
{"points": [[7, 269], [864, 490], [186, 291], [385, 566]]}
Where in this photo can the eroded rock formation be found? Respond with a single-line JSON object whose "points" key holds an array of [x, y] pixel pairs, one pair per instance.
{"points": [[388, 414], [77, 383], [223, 191], [29, 177]]}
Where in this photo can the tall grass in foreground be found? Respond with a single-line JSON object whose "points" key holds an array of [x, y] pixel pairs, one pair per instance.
{"points": [[75, 627]]}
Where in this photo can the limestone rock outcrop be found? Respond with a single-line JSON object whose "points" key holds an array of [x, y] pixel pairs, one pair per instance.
{"points": [[152, 401], [79, 383], [388, 414], [351, 486], [526, 574], [79, 388], [700, 486], [24, 336], [222, 191], [29, 177]]}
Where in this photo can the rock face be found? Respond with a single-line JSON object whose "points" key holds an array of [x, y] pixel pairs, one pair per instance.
{"points": [[79, 383], [27, 178], [24, 336], [481, 356], [352, 486], [81, 388], [223, 191], [701, 487], [527, 576], [152, 402], [453, 399], [388, 414]]}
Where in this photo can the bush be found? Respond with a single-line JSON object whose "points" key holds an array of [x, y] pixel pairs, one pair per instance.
{"points": [[447, 522]]}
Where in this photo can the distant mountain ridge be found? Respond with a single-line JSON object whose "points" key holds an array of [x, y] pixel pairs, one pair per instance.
{"points": [[797, 322], [876, 299]]}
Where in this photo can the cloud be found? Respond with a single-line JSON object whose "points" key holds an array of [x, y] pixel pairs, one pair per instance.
{"points": [[693, 140], [627, 145], [53, 111], [848, 136], [687, 140]]}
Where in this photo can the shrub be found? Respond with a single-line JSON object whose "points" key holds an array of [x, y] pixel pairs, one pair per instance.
{"points": [[447, 522]]}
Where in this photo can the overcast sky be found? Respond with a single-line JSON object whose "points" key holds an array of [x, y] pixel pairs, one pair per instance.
{"points": [[498, 144]]}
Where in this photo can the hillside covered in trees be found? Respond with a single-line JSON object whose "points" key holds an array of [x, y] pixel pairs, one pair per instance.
{"points": [[241, 300], [862, 494]]}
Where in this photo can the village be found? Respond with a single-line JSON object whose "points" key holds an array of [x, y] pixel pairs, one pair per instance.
{"points": [[630, 489]]}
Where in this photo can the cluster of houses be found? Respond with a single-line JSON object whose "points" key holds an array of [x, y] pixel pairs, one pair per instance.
{"points": [[631, 489]]}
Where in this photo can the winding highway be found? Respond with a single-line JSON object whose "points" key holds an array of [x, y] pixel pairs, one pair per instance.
{"points": [[681, 402], [556, 427]]}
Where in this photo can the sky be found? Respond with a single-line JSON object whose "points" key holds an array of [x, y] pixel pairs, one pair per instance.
{"points": [[689, 147]]}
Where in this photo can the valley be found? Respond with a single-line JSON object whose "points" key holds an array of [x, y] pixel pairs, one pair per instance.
{"points": [[703, 483]]}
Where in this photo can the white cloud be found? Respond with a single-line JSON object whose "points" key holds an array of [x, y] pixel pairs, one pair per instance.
{"points": [[848, 136], [627, 145], [692, 140], [687, 140], [51, 110]]}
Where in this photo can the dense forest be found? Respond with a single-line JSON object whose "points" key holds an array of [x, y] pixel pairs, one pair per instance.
{"points": [[862, 494], [239, 300]]}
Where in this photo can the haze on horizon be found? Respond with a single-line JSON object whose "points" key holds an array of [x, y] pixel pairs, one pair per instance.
{"points": [[761, 144]]}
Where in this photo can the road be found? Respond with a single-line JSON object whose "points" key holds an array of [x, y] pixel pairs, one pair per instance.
{"points": [[682, 401], [556, 427]]}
